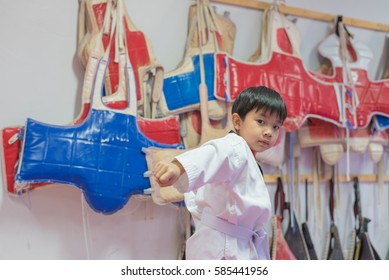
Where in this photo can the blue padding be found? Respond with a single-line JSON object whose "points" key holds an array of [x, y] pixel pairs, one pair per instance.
{"points": [[102, 156], [379, 123], [183, 90]]}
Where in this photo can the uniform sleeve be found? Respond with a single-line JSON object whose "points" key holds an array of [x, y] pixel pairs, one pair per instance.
{"points": [[214, 162]]}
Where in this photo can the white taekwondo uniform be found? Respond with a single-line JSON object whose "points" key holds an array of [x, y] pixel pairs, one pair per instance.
{"points": [[228, 199]]}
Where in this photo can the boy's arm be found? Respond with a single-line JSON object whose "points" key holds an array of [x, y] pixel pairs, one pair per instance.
{"points": [[167, 173]]}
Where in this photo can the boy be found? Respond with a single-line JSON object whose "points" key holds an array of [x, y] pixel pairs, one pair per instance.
{"points": [[227, 195]]}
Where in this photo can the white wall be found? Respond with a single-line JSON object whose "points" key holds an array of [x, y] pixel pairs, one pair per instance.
{"points": [[41, 78]]}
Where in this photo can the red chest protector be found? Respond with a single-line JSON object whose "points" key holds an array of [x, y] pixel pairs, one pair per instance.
{"points": [[328, 136], [305, 95], [101, 14], [373, 95], [149, 73]]}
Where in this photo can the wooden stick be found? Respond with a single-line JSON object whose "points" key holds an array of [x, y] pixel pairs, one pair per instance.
{"points": [[259, 5]]}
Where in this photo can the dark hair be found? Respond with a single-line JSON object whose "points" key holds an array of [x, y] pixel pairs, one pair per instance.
{"points": [[259, 98]]}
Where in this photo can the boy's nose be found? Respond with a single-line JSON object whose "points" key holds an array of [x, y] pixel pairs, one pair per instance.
{"points": [[268, 132]]}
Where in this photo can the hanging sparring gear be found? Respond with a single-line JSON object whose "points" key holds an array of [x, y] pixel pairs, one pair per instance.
{"points": [[163, 130], [94, 18], [364, 250], [373, 96], [379, 123], [224, 30], [349, 60], [102, 156], [12, 136], [154, 154], [294, 236], [305, 95], [280, 249], [333, 250], [305, 228], [181, 85]]}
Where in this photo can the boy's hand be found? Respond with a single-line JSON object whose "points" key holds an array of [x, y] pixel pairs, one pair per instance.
{"points": [[167, 173]]}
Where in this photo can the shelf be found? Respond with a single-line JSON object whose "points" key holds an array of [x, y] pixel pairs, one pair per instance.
{"points": [[288, 10], [363, 178]]}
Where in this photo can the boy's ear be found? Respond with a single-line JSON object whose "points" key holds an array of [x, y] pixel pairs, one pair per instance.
{"points": [[236, 121]]}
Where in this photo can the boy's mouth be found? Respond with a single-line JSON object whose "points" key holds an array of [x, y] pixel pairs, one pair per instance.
{"points": [[264, 143]]}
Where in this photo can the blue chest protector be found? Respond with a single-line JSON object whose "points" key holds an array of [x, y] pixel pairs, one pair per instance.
{"points": [[102, 156], [380, 122], [181, 90]]}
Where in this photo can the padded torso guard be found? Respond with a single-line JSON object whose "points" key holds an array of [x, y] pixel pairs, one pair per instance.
{"points": [[282, 69], [102, 156], [373, 95]]}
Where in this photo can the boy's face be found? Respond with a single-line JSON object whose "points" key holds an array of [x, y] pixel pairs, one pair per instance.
{"points": [[259, 129]]}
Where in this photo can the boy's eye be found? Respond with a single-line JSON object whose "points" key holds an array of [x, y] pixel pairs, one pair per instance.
{"points": [[276, 127], [260, 121]]}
